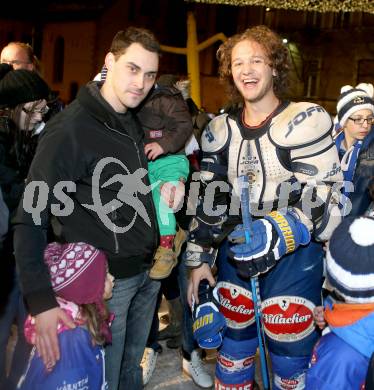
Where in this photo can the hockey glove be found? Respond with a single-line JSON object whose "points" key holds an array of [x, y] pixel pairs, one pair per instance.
{"points": [[208, 323], [270, 238], [200, 238]]}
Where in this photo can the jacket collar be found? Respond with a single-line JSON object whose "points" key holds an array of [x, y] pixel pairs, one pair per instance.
{"points": [[90, 98]]}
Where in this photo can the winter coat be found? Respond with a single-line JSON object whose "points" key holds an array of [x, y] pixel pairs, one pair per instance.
{"points": [[340, 358], [81, 363], [363, 175], [165, 119], [102, 153]]}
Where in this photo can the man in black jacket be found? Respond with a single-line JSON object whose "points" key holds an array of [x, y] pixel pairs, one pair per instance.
{"points": [[89, 173]]}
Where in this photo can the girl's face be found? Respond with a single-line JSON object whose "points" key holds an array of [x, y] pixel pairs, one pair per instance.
{"points": [[28, 115], [109, 283]]}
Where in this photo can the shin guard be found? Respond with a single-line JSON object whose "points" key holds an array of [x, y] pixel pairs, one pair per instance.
{"points": [[289, 372], [235, 367]]}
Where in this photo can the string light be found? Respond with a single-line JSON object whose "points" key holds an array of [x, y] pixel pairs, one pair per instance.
{"points": [[303, 5]]}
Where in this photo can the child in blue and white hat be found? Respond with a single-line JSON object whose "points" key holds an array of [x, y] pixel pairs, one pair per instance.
{"points": [[355, 144], [341, 357]]}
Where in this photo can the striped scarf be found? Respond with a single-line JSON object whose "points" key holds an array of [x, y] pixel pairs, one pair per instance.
{"points": [[348, 162]]}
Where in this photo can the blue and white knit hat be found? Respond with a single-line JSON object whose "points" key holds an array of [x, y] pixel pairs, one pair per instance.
{"points": [[354, 99], [350, 260]]}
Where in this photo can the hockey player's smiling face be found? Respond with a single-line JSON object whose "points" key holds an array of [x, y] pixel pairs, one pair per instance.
{"points": [[251, 72]]}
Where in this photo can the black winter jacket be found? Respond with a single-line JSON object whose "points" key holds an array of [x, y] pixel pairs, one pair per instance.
{"points": [[73, 144]]}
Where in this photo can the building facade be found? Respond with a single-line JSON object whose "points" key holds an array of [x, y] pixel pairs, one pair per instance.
{"points": [[328, 50]]}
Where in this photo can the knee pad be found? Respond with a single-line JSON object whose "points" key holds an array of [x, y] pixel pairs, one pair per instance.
{"points": [[235, 364], [289, 372]]}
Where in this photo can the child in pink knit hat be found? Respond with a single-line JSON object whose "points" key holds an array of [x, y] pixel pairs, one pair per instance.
{"points": [[81, 282]]}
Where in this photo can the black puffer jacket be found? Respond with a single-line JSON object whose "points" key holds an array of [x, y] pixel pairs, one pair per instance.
{"points": [[74, 144]]}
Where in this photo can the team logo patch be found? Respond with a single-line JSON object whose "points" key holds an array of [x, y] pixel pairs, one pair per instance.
{"points": [[236, 305], [288, 318], [225, 362], [290, 384], [155, 134], [248, 165], [230, 365]]}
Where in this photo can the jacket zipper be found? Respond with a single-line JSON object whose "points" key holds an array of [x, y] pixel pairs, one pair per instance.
{"points": [[114, 217], [155, 230]]}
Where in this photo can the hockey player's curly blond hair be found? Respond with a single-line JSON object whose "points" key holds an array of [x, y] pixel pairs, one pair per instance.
{"points": [[276, 51]]}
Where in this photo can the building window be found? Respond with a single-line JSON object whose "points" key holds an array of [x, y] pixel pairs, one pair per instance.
{"points": [[365, 71], [58, 57], [312, 75]]}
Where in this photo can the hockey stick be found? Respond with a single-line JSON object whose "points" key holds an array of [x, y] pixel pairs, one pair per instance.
{"points": [[247, 220]]}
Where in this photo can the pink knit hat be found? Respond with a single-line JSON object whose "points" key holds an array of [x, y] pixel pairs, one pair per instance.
{"points": [[78, 272]]}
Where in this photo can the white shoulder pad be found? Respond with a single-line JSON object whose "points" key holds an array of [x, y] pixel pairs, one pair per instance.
{"points": [[215, 135], [300, 124]]}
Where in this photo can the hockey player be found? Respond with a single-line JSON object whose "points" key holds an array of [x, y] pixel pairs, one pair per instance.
{"points": [[286, 150]]}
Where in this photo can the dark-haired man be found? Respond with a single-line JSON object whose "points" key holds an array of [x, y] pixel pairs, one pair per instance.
{"points": [[94, 152]]}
